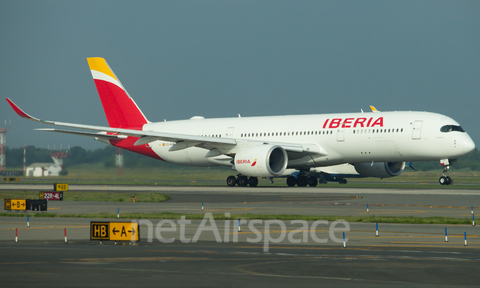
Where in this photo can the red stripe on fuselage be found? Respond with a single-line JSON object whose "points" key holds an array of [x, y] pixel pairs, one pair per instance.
{"points": [[127, 144], [120, 109]]}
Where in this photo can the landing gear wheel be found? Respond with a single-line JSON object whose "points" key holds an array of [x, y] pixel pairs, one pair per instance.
{"points": [[242, 181], [312, 181], [231, 181], [253, 181], [302, 181], [445, 180], [442, 180], [343, 181], [291, 181], [322, 180]]}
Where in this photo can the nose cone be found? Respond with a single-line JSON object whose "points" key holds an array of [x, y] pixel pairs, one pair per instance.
{"points": [[467, 145]]}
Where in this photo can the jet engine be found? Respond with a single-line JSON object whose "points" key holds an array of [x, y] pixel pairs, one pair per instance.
{"points": [[261, 161], [380, 169]]}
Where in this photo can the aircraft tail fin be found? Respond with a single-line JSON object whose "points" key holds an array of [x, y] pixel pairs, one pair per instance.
{"points": [[119, 107]]}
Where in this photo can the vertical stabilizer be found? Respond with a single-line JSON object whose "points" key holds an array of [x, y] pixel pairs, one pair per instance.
{"points": [[120, 109]]}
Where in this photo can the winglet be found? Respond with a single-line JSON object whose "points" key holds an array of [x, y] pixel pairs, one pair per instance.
{"points": [[20, 112], [373, 109]]}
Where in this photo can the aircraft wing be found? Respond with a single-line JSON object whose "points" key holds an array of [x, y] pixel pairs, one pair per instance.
{"points": [[98, 134], [182, 141]]}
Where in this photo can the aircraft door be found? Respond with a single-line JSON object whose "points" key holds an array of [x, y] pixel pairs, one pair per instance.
{"points": [[230, 131], [340, 135], [417, 130]]}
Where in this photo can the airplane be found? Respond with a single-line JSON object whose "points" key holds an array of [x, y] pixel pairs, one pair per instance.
{"points": [[376, 144]]}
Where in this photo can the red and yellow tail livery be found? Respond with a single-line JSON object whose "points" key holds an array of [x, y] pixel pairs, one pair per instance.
{"points": [[120, 109]]}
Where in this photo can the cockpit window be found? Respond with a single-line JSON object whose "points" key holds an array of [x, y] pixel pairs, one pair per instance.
{"points": [[450, 128]]}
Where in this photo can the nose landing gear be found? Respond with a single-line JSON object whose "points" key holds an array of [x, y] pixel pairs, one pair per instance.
{"points": [[445, 180]]}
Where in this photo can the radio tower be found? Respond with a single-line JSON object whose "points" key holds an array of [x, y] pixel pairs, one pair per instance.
{"points": [[25, 161], [58, 157], [3, 139]]}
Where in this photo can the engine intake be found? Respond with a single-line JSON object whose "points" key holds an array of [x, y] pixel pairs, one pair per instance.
{"points": [[380, 169], [261, 161]]}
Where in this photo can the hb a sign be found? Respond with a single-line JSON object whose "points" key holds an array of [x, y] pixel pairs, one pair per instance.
{"points": [[99, 230]]}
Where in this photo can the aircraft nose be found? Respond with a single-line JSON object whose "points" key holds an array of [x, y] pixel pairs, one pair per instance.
{"points": [[468, 145]]}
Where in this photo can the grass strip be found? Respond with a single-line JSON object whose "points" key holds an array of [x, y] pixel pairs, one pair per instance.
{"points": [[199, 216]]}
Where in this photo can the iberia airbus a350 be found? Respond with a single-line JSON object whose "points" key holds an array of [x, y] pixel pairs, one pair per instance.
{"points": [[376, 144]]}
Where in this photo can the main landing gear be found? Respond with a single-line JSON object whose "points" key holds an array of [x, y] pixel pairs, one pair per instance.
{"points": [[445, 180], [303, 181], [242, 181]]}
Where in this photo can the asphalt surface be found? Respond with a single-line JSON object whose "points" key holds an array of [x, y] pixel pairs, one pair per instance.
{"points": [[208, 264], [311, 255]]}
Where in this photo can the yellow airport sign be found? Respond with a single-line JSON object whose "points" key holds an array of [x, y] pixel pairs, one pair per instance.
{"points": [[115, 231], [7, 204], [99, 230], [60, 187], [15, 204], [124, 231]]}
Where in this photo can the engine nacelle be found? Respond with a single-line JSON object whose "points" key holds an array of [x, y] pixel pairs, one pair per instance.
{"points": [[261, 161], [380, 169]]}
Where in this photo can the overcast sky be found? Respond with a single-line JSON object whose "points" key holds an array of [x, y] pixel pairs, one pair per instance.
{"points": [[178, 59]]}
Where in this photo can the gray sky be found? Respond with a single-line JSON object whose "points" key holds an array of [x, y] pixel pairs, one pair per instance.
{"points": [[178, 59]]}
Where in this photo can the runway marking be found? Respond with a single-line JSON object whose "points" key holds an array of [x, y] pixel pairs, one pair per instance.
{"points": [[276, 232], [387, 237], [469, 242], [295, 276], [376, 212], [414, 205], [227, 209], [12, 263], [367, 247], [34, 228], [132, 259]]}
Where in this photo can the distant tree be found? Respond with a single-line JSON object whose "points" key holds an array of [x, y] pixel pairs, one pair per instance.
{"points": [[471, 161], [106, 155]]}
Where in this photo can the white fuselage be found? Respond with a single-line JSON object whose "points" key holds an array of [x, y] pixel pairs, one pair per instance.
{"points": [[346, 137]]}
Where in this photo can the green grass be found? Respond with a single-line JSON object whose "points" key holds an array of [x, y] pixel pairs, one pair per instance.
{"points": [[176, 175], [93, 196], [199, 216]]}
